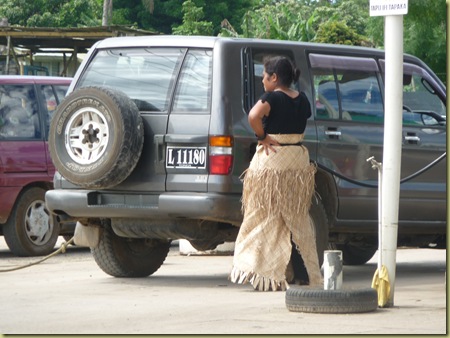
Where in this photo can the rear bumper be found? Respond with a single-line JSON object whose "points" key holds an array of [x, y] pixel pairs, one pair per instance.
{"points": [[79, 204]]}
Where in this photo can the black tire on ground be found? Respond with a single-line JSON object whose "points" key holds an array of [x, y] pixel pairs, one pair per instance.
{"points": [[127, 257], [355, 255], [320, 221], [31, 230], [96, 137], [314, 300]]}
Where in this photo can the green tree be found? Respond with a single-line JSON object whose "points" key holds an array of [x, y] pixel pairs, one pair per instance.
{"points": [[168, 14], [286, 20], [337, 32], [425, 33], [301, 20], [192, 24], [52, 13]]}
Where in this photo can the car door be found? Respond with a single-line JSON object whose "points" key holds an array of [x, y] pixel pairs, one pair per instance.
{"points": [[423, 167], [349, 120]]}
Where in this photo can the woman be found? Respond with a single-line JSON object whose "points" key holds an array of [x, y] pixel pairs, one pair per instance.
{"points": [[278, 187]]}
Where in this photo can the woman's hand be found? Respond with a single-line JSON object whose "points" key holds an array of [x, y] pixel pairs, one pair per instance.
{"points": [[268, 144]]}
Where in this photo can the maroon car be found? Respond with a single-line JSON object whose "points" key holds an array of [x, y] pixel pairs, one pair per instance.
{"points": [[27, 104]]}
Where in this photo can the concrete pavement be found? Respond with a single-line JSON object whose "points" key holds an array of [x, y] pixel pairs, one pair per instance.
{"points": [[69, 294]]}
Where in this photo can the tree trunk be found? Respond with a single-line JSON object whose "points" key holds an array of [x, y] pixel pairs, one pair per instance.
{"points": [[107, 12]]}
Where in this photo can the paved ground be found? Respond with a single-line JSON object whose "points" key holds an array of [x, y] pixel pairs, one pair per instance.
{"points": [[69, 294]]}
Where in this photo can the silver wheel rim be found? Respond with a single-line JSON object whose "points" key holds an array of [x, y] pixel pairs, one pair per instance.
{"points": [[38, 223], [86, 136]]}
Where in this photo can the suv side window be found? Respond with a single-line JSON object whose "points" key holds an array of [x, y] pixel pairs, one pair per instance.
{"points": [[19, 118], [193, 93], [254, 67], [421, 103], [146, 75], [346, 88]]}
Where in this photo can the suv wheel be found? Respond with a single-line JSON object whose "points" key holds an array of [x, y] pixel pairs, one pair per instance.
{"points": [[96, 137], [31, 230], [129, 257], [319, 219]]}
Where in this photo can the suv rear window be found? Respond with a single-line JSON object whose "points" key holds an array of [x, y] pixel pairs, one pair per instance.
{"points": [[146, 75], [193, 92]]}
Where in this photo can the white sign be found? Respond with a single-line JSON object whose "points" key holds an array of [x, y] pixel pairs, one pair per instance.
{"points": [[388, 7]]}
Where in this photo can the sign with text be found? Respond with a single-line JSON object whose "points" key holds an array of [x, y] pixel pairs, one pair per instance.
{"points": [[388, 7]]}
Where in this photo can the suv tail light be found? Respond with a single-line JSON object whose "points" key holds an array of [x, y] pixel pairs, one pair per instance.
{"points": [[220, 155]]}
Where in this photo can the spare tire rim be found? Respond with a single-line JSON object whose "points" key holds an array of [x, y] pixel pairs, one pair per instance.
{"points": [[86, 135]]}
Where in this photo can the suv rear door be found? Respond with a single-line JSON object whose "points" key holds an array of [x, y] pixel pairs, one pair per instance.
{"points": [[147, 76], [187, 139]]}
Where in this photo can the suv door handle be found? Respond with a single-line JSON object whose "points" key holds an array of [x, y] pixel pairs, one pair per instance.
{"points": [[333, 133], [412, 139]]}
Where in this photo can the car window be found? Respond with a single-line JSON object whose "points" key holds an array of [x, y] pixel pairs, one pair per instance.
{"points": [[422, 105], [327, 101], [193, 91], [360, 97], [419, 100], [61, 91], [53, 95], [254, 67], [146, 75], [346, 88], [19, 118]]}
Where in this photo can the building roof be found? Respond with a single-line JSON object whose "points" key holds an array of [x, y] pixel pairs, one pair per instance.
{"points": [[43, 39]]}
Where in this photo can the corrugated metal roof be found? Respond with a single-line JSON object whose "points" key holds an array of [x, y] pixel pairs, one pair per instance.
{"points": [[52, 39]]}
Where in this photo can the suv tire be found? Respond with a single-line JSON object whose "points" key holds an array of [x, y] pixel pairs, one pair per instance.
{"points": [[96, 137], [129, 257], [319, 218], [31, 230]]}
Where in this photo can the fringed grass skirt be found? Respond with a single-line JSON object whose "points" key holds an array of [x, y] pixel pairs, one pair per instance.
{"points": [[276, 199]]}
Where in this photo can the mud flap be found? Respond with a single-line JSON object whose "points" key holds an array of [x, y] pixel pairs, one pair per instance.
{"points": [[87, 235]]}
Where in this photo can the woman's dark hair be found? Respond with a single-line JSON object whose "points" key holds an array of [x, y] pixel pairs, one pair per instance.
{"points": [[283, 67]]}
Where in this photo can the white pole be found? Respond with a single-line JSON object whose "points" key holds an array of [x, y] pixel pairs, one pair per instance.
{"points": [[392, 144], [332, 269]]}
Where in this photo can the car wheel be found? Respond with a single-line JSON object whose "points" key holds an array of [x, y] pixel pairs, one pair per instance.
{"points": [[353, 254], [314, 300], [129, 257], [96, 137], [319, 219], [31, 230]]}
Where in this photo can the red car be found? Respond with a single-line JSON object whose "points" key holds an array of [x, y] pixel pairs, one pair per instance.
{"points": [[27, 104]]}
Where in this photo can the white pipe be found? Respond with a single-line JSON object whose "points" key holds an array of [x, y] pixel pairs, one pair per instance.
{"points": [[332, 270], [392, 149]]}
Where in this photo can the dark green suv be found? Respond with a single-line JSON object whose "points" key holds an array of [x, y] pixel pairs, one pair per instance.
{"points": [[152, 139]]}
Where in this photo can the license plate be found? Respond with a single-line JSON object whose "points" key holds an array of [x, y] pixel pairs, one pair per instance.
{"points": [[186, 157]]}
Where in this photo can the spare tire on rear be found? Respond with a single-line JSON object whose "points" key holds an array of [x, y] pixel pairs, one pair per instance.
{"points": [[96, 137]]}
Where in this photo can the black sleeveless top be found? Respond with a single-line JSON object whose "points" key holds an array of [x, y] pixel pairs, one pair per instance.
{"points": [[287, 115]]}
